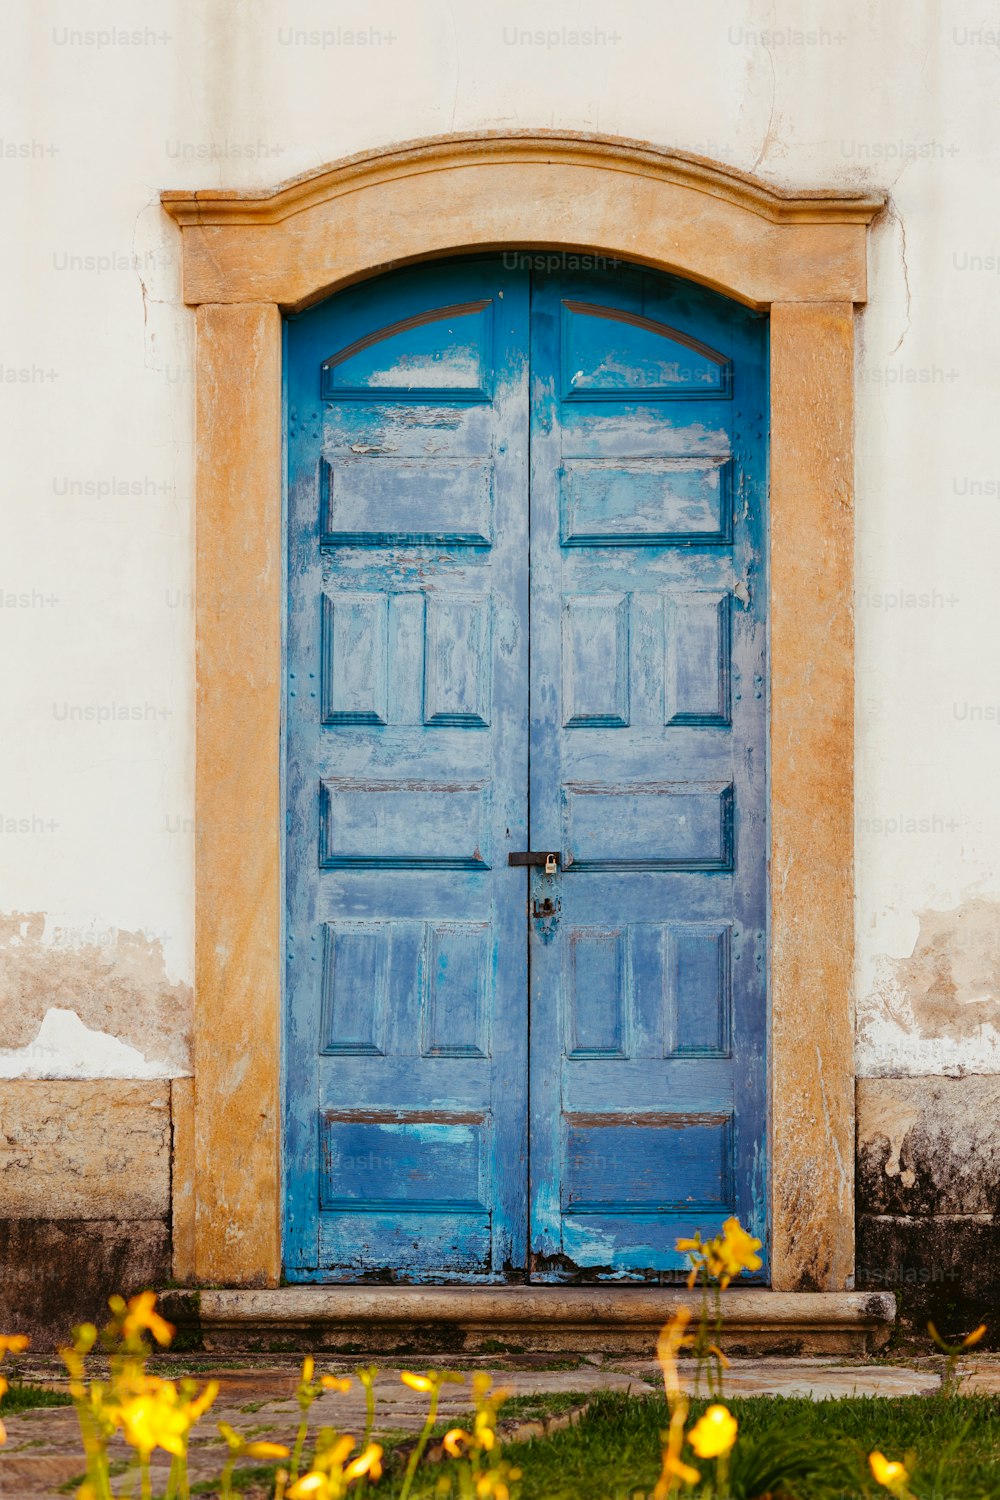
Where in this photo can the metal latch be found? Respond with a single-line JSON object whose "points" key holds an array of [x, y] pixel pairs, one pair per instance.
{"points": [[548, 861], [546, 908]]}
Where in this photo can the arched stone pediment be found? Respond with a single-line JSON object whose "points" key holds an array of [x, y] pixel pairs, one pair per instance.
{"points": [[527, 191]]}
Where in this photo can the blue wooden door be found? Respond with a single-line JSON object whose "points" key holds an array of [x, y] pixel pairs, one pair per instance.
{"points": [[407, 778], [526, 590], [648, 772]]}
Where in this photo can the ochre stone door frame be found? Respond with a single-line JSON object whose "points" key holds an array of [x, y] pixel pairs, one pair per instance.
{"points": [[250, 257]]}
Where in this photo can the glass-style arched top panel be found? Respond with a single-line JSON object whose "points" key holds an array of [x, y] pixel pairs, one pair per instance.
{"points": [[444, 352], [610, 354]]}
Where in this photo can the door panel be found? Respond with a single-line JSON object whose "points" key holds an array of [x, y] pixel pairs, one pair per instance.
{"points": [[648, 772], [430, 733], [407, 779]]}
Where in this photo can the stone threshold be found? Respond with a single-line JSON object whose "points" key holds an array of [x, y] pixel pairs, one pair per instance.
{"points": [[476, 1320]]}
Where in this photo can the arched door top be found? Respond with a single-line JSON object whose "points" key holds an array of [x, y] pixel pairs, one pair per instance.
{"points": [[527, 191]]}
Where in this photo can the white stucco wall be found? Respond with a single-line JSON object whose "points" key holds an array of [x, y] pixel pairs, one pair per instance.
{"points": [[107, 103]]}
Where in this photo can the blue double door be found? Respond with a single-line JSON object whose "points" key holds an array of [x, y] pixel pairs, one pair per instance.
{"points": [[526, 617]]}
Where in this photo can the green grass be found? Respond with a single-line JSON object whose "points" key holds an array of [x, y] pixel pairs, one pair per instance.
{"points": [[615, 1449], [116, 1468], [532, 1408], [23, 1396], [261, 1477]]}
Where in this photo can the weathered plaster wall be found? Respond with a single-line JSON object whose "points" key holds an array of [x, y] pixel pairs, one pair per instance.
{"points": [[88, 1008], [928, 1195], [106, 104], [85, 1178]]}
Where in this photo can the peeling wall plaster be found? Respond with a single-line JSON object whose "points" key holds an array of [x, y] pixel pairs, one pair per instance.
{"points": [[928, 1146], [936, 1010], [65, 1048], [89, 1010]]}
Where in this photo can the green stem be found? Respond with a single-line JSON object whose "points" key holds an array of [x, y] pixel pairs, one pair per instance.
{"points": [[369, 1413], [702, 1335], [226, 1481], [718, 1338], [362, 1484], [96, 1452], [145, 1477], [300, 1442], [422, 1442]]}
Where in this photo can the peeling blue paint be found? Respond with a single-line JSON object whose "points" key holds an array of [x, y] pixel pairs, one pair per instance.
{"points": [[456, 431]]}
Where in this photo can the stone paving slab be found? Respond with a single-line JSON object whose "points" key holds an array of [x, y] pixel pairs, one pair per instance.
{"points": [[982, 1380], [815, 1379]]}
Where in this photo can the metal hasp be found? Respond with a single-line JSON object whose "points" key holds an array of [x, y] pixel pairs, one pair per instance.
{"points": [[549, 862]]}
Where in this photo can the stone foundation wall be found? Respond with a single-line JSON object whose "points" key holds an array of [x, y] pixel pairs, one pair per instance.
{"points": [[85, 1198], [928, 1197]]}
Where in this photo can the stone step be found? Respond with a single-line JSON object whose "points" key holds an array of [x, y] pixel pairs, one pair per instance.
{"points": [[441, 1320]]}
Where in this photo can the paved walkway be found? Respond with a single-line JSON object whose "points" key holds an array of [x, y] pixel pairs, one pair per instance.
{"points": [[43, 1452]]}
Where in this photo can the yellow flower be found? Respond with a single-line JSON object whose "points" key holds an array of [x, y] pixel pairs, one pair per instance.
{"points": [[84, 1338], [238, 1445], [890, 1474], [974, 1336], [308, 1369], [484, 1430], [724, 1257], [714, 1434], [671, 1341], [678, 1469], [13, 1343], [416, 1382], [689, 1246], [312, 1486], [142, 1316], [369, 1462], [153, 1413], [334, 1383], [454, 1439], [266, 1450], [490, 1486], [198, 1405], [333, 1455], [154, 1421], [738, 1248]]}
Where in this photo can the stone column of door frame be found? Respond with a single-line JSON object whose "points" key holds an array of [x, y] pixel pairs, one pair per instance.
{"points": [[238, 893], [812, 795], [248, 256]]}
